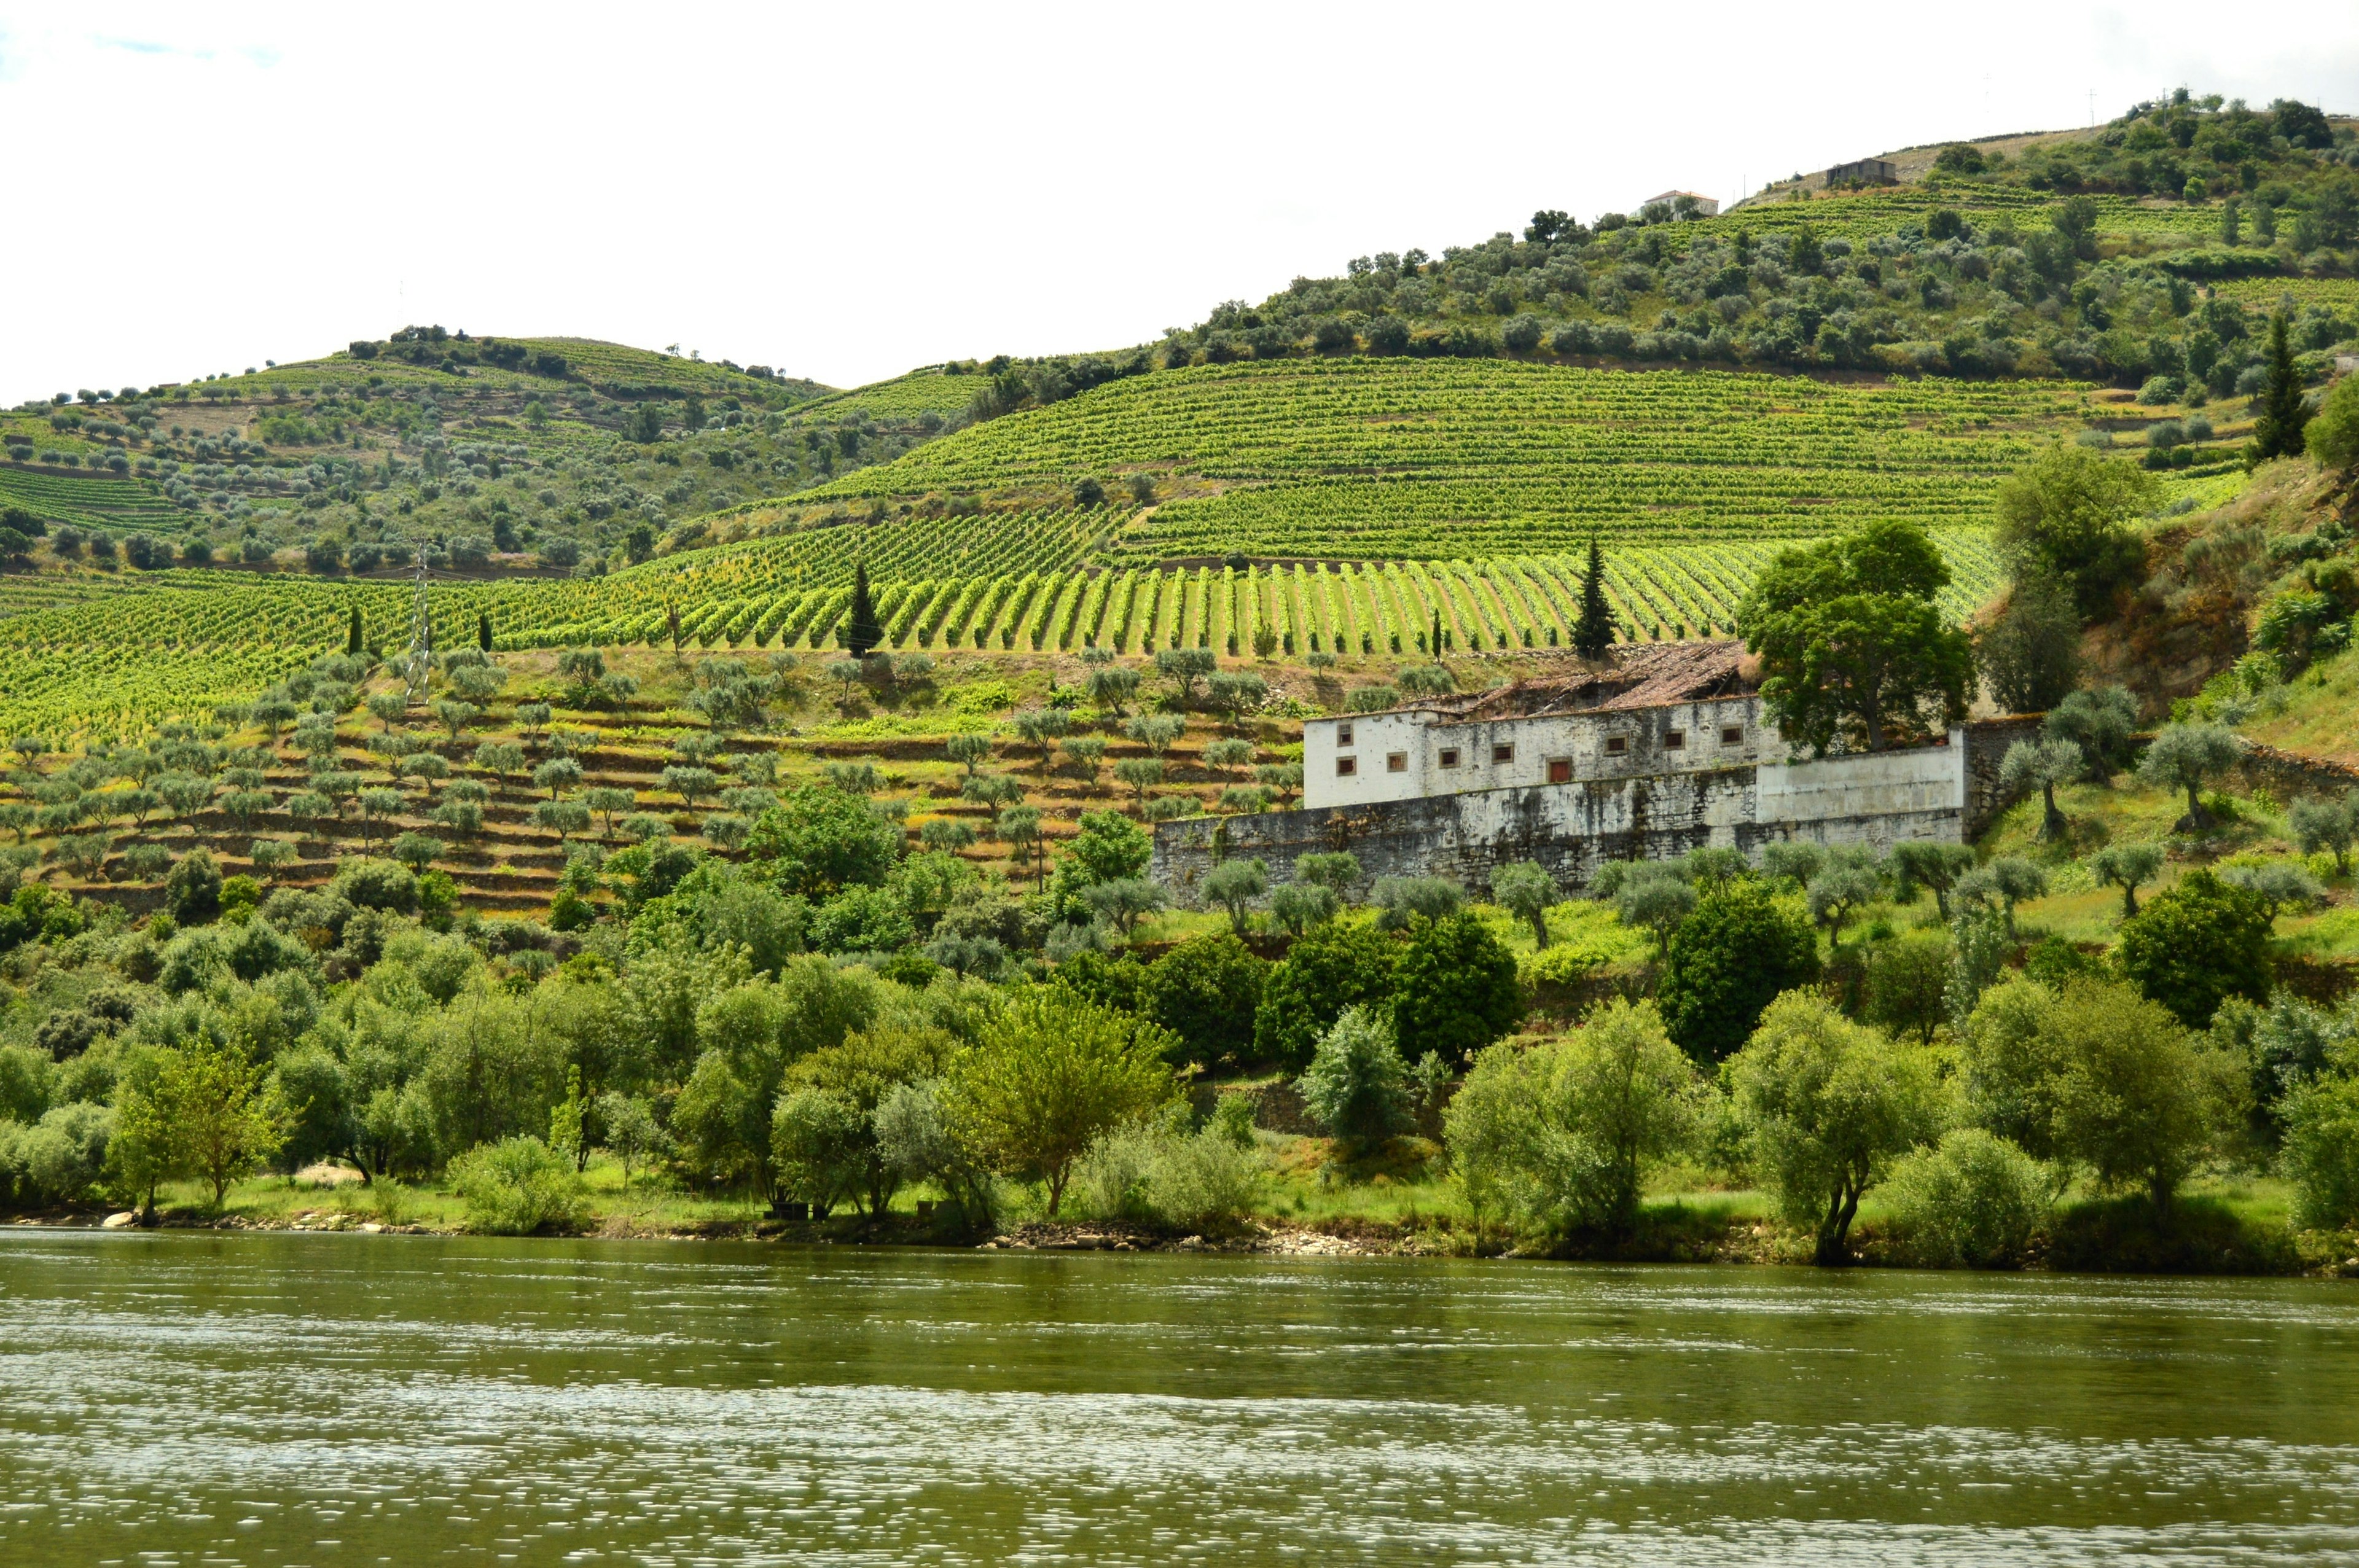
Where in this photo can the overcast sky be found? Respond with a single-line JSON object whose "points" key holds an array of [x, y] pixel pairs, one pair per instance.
{"points": [[846, 191]]}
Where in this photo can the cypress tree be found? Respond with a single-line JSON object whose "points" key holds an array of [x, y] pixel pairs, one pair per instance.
{"points": [[352, 632], [863, 632], [2277, 432], [1593, 635], [484, 630]]}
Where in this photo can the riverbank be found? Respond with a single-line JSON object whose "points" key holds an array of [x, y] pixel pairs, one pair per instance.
{"points": [[2220, 1227]]}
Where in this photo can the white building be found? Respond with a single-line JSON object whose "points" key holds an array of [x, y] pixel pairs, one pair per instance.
{"points": [[1663, 708]]}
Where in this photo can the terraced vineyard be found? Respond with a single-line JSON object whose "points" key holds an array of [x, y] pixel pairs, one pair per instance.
{"points": [[106, 505], [1426, 459], [105, 658]]}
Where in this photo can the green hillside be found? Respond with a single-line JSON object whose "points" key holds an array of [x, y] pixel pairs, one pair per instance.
{"points": [[1444, 458]]}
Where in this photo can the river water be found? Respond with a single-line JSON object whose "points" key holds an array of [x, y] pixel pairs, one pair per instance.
{"points": [[329, 1399]]}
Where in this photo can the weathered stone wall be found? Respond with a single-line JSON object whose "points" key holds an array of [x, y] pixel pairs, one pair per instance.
{"points": [[2289, 775], [1573, 828], [1986, 741]]}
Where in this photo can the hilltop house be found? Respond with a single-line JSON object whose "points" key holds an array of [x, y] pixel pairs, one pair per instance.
{"points": [[1705, 206], [1865, 171], [1666, 748]]}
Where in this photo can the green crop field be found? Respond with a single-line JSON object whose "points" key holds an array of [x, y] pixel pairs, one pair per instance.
{"points": [[1428, 458]]}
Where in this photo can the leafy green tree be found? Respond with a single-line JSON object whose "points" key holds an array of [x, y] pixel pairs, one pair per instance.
{"points": [[2278, 430], [2321, 1150], [749, 1033], [1909, 983], [1141, 773], [1357, 1086], [969, 751], [1850, 641], [1828, 1105], [1648, 895], [1049, 1074], [2097, 1077], [2195, 946], [1456, 989], [2185, 756], [818, 839], [2332, 433], [1124, 902], [629, 1131], [1205, 991], [215, 1099], [2030, 652], [1726, 961], [1330, 968], [2067, 515], [1184, 667], [1562, 1134]]}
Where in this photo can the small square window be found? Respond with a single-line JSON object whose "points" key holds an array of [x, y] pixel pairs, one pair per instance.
{"points": [[1342, 734], [1503, 754], [1675, 741], [1559, 770], [1450, 756], [1346, 766], [1395, 762], [1732, 734], [1617, 745]]}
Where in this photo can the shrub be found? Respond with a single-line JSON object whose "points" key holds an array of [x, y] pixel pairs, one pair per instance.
{"points": [[1561, 1134], [1206, 1180], [1726, 961], [1205, 990], [1330, 968], [1357, 1086], [2198, 944], [60, 1159], [2321, 1151], [517, 1186], [1456, 989], [1975, 1199]]}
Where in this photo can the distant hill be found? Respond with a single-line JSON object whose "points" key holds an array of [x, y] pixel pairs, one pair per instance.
{"points": [[529, 450], [2083, 255]]}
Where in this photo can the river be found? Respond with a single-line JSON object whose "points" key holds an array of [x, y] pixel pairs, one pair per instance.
{"points": [[188, 1399]]}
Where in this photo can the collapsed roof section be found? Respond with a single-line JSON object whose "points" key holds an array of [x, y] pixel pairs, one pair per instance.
{"points": [[1644, 675]]}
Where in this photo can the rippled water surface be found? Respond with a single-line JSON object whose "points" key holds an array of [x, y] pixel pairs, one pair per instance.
{"points": [[179, 1398]]}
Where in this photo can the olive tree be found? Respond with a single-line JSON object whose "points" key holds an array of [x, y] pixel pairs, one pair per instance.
{"points": [[2127, 867], [2184, 757]]}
